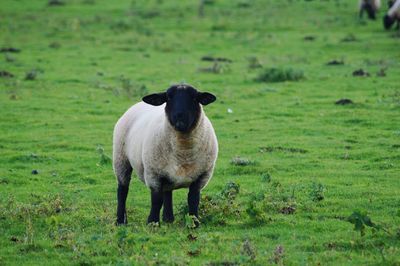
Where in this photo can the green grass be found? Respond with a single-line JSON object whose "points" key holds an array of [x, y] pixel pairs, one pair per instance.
{"points": [[311, 163]]}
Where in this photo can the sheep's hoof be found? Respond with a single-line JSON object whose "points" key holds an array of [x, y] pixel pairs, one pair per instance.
{"points": [[168, 218], [152, 219], [120, 224], [121, 221]]}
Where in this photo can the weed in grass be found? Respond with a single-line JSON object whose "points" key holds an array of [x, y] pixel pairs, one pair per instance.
{"points": [[131, 89], [317, 192], [59, 232], [55, 45], [26, 212], [281, 149], [4, 181], [239, 161], [194, 250], [361, 220], [191, 221], [279, 75], [9, 58], [272, 199], [121, 25], [349, 38], [104, 158], [255, 209], [254, 62], [147, 14], [31, 75], [249, 250], [230, 191], [209, 2], [214, 209], [216, 68], [266, 178], [277, 257], [244, 4], [382, 72]]}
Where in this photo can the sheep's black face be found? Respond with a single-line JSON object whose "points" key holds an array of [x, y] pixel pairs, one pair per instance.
{"points": [[183, 108], [183, 105], [388, 22]]}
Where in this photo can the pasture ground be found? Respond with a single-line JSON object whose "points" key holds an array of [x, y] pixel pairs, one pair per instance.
{"points": [[293, 165]]}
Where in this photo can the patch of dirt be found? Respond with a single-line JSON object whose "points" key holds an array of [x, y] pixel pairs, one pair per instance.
{"points": [[55, 3], [344, 101], [283, 149], [335, 63], [288, 210], [9, 50], [191, 237], [360, 73], [5, 74], [309, 38], [14, 239], [216, 59], [55, 45]]}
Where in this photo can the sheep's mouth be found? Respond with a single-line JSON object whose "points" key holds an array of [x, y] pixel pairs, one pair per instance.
{"points": [[388, 22], [181, 126]]}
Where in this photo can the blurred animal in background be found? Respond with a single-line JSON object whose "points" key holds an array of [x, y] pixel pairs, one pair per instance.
{"points": [[393, 15], [391, 3], [370, 6]]}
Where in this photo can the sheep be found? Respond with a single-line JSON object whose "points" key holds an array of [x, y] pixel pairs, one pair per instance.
{"points": [[170, 143], [392, 15], [371, 6]]}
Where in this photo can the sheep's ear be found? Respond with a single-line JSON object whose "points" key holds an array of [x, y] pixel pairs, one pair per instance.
{"points": [[155, 99], [205, 98]]}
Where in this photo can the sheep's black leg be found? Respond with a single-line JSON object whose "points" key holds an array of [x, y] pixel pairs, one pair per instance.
{"points": [[194, 198], [168, 211], [122, 194], [156, 204], [123, 171]]}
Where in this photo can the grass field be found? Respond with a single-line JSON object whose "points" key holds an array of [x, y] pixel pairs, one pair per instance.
{"points": [[293, 166]]}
